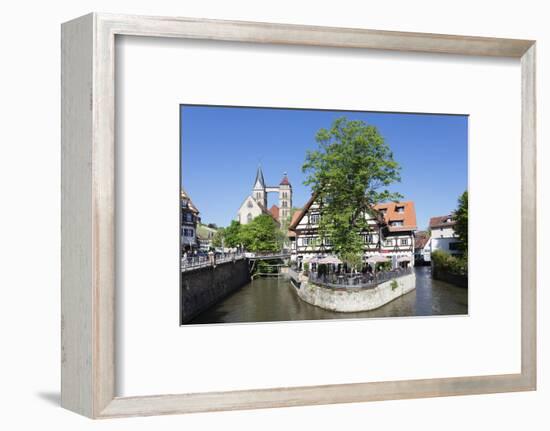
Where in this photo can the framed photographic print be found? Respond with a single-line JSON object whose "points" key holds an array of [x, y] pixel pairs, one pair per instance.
{"points": [[344, 207]]}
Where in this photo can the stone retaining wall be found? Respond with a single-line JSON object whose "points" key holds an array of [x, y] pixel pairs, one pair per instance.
{"points": [[204, 287], [448, 277], [353, 300]]}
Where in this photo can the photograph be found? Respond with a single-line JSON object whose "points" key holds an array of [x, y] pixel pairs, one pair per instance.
{"points": [[307, 214]]}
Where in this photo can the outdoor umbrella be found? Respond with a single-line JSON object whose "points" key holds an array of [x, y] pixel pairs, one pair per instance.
{"points": [[377, 259], [330, 260]]}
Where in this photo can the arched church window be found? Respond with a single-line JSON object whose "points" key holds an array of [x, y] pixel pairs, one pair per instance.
{"points": [[249, 204], [249, 218]]}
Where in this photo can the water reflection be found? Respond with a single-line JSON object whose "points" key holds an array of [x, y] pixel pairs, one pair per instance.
{"points": [[272, 300]]}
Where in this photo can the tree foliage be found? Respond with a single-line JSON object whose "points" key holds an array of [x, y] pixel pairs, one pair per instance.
{"points": [[350, 172], [461, 217], [261, 234], [219, 238], [232, 234], [443, 261]]}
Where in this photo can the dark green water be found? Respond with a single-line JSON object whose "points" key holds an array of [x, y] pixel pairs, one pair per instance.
{"points": [[272, 300]]}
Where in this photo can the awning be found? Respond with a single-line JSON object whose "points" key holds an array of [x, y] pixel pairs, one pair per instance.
{"points": [[377, 259], [330, 260]]}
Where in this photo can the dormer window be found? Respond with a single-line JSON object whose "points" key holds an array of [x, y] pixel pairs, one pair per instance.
{"points": [[396, 223], [400, 209]]}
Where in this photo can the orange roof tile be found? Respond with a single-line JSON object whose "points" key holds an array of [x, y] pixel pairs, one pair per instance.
{"points": [[274, 210], [390, 213]]}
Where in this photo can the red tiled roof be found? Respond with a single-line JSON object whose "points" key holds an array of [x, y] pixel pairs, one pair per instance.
{"points": [[441, 221], [421, 239], [390, 213], [274, 210], [408, 216], [268, 212], [284, 181]]}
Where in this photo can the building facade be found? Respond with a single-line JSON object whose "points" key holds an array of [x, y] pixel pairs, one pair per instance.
{"points": [[256, 204], [205, 236], [422, 252], [189, 219], [443, 235], [390, 234]]}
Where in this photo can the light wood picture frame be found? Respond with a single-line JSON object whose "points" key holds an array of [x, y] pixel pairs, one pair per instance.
{"points": [[88, 214]]}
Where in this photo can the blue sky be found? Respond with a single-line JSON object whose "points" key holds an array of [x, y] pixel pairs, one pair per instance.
{"points": [[221, 148]]}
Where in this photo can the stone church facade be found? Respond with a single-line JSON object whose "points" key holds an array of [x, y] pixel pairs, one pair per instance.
{"points": [[256, 203]]}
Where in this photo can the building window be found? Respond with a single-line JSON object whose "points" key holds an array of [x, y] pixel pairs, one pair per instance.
{"points": [[400, 209], [307, 241], [249, 204], [285, 195], [453, 246], [314, 218], [388, 243], [404, 241], [368, 238], [396, 223], [284, 204], [327, 241], [249, 217]]}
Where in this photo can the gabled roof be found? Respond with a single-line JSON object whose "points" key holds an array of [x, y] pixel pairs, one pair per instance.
{"points": [[297, 216], [184, 198], [385, 213], [390, 212], [259, 182], [263, 209], [421, 239], [441, 221]]}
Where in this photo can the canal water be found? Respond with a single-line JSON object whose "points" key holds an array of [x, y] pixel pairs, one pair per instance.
{"points": [[272, 300]]}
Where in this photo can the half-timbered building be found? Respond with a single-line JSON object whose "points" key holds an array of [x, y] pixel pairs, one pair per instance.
{"points": [[390, 233]]}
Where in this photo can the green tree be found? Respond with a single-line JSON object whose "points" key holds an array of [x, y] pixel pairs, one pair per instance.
{"points": [[261, 234], [219, 238], [349, 173], [232, 234], [461, 217]]}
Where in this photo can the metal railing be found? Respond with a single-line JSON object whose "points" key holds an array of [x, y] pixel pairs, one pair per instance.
{"points": [[357, 281], [194, 262]]}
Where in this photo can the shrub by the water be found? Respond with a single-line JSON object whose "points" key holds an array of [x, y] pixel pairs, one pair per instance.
{"points": [[443, 261]]}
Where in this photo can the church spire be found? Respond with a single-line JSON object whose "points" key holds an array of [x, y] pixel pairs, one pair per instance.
{"points": [[259, 183]]}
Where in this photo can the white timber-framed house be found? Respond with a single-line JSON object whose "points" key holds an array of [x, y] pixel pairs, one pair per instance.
{"points": [[391, 233]]}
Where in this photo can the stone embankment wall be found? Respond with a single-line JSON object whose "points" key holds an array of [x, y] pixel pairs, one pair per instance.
{"points": [[448, 277], [204, 287], [353, 300]]}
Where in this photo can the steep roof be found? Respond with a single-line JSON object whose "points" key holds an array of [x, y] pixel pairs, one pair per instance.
{"points": [[385, 212], [407, 215], [442, 221], [259, 182], [297, 216], [274, 210], [284, 181], [421, 239], [184, 198]]}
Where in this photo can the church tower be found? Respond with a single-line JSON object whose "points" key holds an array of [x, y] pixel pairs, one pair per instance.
{"points": [[285, 199], [259, 192]]}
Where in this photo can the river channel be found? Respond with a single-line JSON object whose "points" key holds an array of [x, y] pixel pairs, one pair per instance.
{"points": [[273, 299]]}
